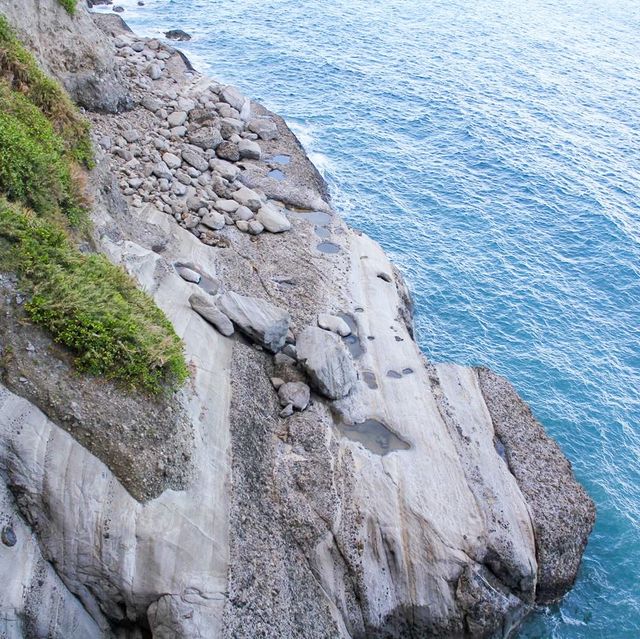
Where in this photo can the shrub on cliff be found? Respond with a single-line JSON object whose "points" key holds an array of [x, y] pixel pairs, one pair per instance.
{"points": [[88, 304], [69, 5], [85, 302], [19, 69]]}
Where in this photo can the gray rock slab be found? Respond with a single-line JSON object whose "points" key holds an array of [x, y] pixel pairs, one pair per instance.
{"points": [[334, 323], [205, 307], [263, 322], [327, 362]]}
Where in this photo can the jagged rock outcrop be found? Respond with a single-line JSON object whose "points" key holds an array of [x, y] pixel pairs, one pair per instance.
{"points": [[426, 501]]}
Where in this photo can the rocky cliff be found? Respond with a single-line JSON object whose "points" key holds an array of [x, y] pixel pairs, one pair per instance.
{"points": [[316, 476]]}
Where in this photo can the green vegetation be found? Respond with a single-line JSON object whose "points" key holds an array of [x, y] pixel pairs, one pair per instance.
{"points": [[85, 302], [21, 72], [69, 5], [88, 304]]}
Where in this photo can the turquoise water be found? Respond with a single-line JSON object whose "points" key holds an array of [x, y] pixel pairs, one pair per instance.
{"points": [[493, 148]]}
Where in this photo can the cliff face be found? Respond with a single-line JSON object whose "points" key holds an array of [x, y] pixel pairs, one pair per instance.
{"points": [[405, 499]]}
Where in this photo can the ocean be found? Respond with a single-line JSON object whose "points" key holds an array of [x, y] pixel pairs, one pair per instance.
{"points": [[493, 148]]}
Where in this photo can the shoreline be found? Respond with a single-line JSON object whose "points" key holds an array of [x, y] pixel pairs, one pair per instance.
{"points": [[348, 536]]}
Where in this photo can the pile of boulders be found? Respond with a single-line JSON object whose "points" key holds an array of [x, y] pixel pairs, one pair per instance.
{"points": [[184, 151], [318, 351]]}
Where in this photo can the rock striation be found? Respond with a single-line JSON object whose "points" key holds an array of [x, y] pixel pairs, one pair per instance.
{"points": [[316, 477]]}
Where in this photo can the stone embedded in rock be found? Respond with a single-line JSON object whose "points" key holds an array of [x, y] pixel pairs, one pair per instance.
{"points": [[272, 219], [255, 228], [226, 206], [131, 135], [195, 160], [228, 151], [206, 308], [246, 197], [177, 118], [249, 149], [151, 104], [241, 213], [171, 160], [154, 71], [263, 322], [188, 274], [334, 323], [214, 220], [297, 394], [327, 362]]}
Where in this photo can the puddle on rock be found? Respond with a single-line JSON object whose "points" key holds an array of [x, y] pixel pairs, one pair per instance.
{"points": [[315, 217], [407, 371], [394, 374], [352, 341], [281, 159], [328, 247], [374, 436], [369, 379], [323, 232], [276, 174]]}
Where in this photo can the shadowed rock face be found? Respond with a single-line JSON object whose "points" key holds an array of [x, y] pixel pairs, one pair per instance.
{"points": [[72, 49], [562, 513], [387, 513]]}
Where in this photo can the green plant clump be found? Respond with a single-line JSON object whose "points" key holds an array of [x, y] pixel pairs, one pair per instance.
{"points": [[20, 70], [69, 5], [89, 305]]}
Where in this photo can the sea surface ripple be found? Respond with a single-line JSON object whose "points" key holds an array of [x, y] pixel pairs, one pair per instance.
{"points": [[493, 148]]}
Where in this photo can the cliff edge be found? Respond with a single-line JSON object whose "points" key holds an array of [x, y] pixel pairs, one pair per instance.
{"points": [[315, 476]]}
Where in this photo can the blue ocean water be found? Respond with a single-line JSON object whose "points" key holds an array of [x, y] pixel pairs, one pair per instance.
{"points": [[493, 148]]}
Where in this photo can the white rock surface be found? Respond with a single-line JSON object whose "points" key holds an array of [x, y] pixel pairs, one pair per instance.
{"points": [[272, 219]]}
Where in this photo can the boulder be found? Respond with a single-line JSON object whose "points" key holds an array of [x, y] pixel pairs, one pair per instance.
{"points": [[334, 323], [295, 393], [225, 169], [246, 197], [234, 98], [327, 362], [206, 138], [171, 160], [263, 322], [273, 219], [195, 160], [214, 220], [206, 308], [228, 151], [177, 34], [177, 118], [264, 128], [249, 149]]}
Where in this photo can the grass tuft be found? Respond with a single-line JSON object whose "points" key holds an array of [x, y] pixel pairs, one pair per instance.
{"points": [[89, 305], [69, 5]]}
